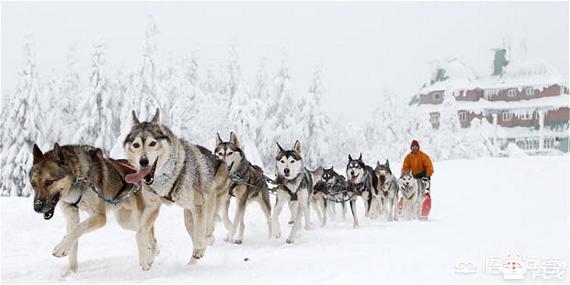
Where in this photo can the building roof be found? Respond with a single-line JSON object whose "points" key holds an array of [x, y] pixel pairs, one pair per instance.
{"points": [[517, 74]]}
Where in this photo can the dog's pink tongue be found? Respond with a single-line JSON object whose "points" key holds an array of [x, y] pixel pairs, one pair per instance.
{"points": [[136, 177]]}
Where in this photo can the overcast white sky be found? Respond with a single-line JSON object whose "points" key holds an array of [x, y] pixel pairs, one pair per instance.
{"points": [[364, 47]]}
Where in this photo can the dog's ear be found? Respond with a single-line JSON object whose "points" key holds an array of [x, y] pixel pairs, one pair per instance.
{"points": [[135, 119], [360, 157], [297, 147], [38, 154], [58, 153], [377, 164], [387, 163], [218, 140], [332, 167], [279, 148], [234, 139], [156, 117], [350, 158]]}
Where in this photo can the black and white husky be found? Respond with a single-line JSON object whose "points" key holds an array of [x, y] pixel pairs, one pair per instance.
{"points": [[388, 190], [362, 181], [295, 185], [248, 185], [333, 186], [412, 192]]}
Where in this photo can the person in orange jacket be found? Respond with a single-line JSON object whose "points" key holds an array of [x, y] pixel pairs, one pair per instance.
{"points": [[418, 163]]}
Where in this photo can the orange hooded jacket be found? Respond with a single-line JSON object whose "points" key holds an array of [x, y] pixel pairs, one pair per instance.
{"points": [[418, 163]]}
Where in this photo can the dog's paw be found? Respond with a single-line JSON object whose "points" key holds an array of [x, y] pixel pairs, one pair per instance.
{"points": [[237, 241], [290, 241], [291, 222], [355, 226], [62, 249], [309, 227], [146, 264], [198, 253]]}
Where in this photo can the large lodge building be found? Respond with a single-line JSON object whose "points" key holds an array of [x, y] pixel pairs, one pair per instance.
{"points": [[527, 102]]}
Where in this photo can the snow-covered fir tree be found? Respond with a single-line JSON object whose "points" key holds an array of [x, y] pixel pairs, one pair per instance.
{"points": [[315, 123], [23, 127], [97, 109]]}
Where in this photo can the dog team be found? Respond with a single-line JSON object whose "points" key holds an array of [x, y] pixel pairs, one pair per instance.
{"points": [[163, 168]]}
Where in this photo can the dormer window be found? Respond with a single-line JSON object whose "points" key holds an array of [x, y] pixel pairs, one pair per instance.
{"points": [[529, 91], [462, 116], [507, 116], [434, 118], [437, 96], [512, 92]]}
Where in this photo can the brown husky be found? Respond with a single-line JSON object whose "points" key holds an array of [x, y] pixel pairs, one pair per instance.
{"points": [[68, 173]]}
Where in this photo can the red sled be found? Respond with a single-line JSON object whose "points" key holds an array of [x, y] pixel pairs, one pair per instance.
{"points": [[426, 206]]}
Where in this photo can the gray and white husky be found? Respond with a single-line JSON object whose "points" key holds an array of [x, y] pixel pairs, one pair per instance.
{"points": [[363, 182], [179, 172], [388, 190], [412, 192], [249, 185], [295, 185]]}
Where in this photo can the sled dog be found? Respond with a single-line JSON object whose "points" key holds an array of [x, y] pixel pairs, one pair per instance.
{"points": [[362, 182], [67, 174], [388, 190], [183, 173], [412, 191], [295, 185], [248, 185]]}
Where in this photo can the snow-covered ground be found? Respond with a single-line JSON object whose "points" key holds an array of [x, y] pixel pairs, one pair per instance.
{"points": [[482, 208]]}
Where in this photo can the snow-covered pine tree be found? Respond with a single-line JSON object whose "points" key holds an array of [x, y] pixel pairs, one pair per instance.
{"points": [[70, 93], [147, 81], [23, 127], [97, 121], [449, 140], [281, 117], [315, 123]]}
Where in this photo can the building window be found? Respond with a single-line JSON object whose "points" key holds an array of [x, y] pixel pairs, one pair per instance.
{"points": [[507, 116], [437, 96], [512, 92], [562, 89], [434, 118], [526, 116], [462, 116], [530, 91], [548, 143], [456, 93]]}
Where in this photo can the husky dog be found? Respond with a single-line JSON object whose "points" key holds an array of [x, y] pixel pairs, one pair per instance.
{"points": [[412, 191], [179, 172], [320, 193], [388, 190], [66, 174], [250, 187], [335, 184], [295, 186], [363, 182]]}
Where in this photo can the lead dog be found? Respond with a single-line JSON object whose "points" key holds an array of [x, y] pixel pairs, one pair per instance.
{"points": [[249, 185], [179, 172], [295, 185], [65, 175]]}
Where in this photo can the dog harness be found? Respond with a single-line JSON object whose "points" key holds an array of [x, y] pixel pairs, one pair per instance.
{"points": [[281, 181]]}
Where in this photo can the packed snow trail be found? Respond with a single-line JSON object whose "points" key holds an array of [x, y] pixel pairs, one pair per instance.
{"points": [[483, 207]]}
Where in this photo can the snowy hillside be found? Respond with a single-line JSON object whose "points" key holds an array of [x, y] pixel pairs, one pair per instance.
{"points": [[482, 208]]}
